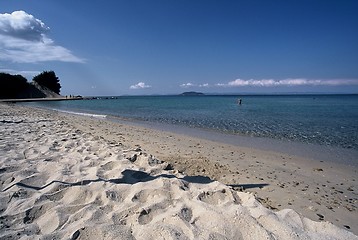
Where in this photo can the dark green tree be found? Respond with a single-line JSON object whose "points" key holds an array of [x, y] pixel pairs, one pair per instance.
{"points": [[48, 79], [12, 85]]}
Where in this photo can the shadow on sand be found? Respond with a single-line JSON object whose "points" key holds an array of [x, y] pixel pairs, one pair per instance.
{"points": [[248, 186], [133, 177]]}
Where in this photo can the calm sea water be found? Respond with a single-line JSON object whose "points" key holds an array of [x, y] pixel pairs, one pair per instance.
{"points": [[329, 120]]}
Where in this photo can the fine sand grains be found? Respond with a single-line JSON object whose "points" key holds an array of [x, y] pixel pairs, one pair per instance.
{"points": [[318, 189], [58, 181]]}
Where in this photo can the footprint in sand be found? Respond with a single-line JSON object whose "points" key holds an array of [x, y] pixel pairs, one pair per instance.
{"points": [[35, 212], [216, 198], [9, 169], [145, 217], [186, 214], [56, 194], [106, 232], [110, 166], [114, 196], [150, 195], [108, 170], [161, 201]]}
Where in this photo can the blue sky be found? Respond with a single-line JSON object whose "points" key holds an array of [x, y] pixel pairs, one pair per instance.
{"points": [[167, 47]]}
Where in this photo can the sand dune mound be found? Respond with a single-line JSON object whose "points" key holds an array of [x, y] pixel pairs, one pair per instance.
{"points": [[58, 182]]}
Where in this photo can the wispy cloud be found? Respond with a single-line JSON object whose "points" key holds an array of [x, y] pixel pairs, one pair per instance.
{"points": [[288, 82], [188, 85], [276, 83], [27, 74], [140, 85], [23, 39]]}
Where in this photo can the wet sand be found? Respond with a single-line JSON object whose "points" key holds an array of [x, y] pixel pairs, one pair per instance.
{"points": [[317, 188]]}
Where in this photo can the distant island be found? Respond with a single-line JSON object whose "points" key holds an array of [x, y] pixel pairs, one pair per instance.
{"points": [[192, 94]]}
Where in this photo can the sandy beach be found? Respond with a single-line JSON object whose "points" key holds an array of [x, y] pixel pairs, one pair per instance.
{"points": [[70, 177]]}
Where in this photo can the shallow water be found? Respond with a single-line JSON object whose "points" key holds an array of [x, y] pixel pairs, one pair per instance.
{"points": [[327, 120]]}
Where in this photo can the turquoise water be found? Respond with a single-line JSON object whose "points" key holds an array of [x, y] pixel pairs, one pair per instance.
{"points": [[329, 120]]}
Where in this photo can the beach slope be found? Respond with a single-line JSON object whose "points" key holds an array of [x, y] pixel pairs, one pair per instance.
{"points": [[61, 182]]}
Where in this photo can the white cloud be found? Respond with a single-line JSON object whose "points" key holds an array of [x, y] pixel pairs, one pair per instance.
{"points": [[188, 85], [19, 24], [275, 83], [288, 82], [23, 39], [140, 85]]}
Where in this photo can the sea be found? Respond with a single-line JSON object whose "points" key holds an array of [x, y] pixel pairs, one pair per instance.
{"points": [[330, 120]]}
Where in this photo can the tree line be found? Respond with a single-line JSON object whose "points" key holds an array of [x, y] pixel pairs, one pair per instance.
{"points": [[17, 86]]}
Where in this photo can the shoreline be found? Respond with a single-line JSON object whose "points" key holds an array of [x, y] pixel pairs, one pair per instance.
{"points": [[278, 179], [19, 100], [304, 150], [321, 191], [239, 166], [307, 150]]}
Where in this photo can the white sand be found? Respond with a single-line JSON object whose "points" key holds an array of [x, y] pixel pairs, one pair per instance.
{"points": [[58, 181]]}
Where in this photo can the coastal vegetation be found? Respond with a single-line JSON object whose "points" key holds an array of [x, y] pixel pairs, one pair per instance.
{"points": [[12, 85], [48, 79], [45, 84]]}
